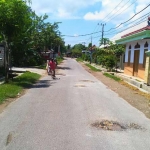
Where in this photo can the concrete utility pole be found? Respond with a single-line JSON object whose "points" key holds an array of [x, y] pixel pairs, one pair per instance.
{"points": [[102, 32], [59, 46]]}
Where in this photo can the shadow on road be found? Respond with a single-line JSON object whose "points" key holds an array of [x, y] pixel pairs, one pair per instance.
{"points": [[63, 68], [43, 84]]}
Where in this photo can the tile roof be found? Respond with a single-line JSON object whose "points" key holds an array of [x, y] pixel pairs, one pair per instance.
{"points": [[136, 31]]}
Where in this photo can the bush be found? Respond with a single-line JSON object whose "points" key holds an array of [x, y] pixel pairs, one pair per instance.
{"points": [[2, 71], [110, 61]]}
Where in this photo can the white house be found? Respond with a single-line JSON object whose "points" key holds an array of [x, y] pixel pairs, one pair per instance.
{"points": [[137, 42]]}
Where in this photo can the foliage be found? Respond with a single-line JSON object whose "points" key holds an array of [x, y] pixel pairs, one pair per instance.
{"points": [[79, 59], [86, 57], [2, 71], [76, 53], [26, 34], [59, 59], [110, 61], [112, 77], [108, 56], [92, 68], [11, 89], [78, 47], [104, 41]]}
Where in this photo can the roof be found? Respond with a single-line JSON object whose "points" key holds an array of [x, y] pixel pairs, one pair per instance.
{"points": [[128, 31], [145, 34], [137, 31]]}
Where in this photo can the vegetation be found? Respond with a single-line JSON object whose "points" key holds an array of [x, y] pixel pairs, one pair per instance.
{"points": [[112, 77], [92, 68], [60, 59], [13, 88], [109, 56], [79, 59], [77, 50], [25, 34]]}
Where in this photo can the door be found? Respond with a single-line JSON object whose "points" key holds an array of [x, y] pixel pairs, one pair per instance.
{"points": [[136, 63]]}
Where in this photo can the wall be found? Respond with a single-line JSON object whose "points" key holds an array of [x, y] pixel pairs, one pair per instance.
{"points": [[129, 69]]}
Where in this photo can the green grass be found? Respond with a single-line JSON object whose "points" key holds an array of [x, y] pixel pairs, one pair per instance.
{"points": [[79, 59], [42, 66], [11, 89], [112, 77], [59, 60], [92, 68]]}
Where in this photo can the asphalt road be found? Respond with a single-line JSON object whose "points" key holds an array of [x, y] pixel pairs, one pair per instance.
{"points": [[57, 115]]}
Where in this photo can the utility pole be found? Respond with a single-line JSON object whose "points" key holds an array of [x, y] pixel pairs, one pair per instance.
{"points": [[59, 47], [102, 32]]}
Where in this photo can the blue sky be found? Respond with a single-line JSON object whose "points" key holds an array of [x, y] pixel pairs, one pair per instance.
{"points": [[82, 17]]}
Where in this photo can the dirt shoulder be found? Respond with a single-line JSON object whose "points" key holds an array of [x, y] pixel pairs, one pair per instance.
{"points": [[131, 94]]}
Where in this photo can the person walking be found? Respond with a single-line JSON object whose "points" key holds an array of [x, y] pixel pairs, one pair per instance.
{"points": [[52, 67]]}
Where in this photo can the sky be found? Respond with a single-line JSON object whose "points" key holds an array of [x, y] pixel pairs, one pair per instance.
{"points": [[82, 20]]}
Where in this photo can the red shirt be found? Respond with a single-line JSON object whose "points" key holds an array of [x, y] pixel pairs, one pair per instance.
{"points": [[52, 65]]}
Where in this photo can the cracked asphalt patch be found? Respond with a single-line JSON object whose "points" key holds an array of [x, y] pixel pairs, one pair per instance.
{"points": [[115, 126], [80, 85], [87, 81]]}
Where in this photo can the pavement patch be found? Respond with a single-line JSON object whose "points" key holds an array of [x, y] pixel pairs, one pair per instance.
{"points": [[80, 85], [87, 81], [115, 126]]}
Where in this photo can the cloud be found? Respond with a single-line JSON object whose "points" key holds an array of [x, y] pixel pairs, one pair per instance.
{"points": [[65, 9], [109, 11]]}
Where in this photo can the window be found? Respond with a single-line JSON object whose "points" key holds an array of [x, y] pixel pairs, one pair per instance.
{"points": [[129, 55], [146, 44], [137, 46], [144, 58], [130, 47]]}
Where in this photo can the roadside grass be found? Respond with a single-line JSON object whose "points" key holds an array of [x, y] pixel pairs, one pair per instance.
{"points": [[42, 66], [13, 88], [59, 60], [112, 77], [92, 68], [79, 59]]}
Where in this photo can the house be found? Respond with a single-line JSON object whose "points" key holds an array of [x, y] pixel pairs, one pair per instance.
{"points": [[137, 42], [49, 54]]}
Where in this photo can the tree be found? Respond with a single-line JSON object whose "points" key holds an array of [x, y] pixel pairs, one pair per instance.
{"points": [[13, 15]]}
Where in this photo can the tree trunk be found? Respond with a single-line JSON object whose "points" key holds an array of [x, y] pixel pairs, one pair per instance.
{"points": [[6, 59]]}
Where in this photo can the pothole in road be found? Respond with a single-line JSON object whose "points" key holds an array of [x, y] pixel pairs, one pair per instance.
{"points": [[87, 81], [115, 126], [80, 85]]}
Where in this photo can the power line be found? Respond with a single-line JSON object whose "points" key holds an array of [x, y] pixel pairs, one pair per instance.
{"points": [[110, 12], [140, 21], [113, 10], [129, 19], [117, 10], [122, 10], [110, 28], [132, 25]]}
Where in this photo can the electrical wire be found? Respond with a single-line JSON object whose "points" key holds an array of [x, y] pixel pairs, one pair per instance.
{"points": [[140, 20], [113, 10], [117, 11], [129, 19], [110, 28], [122, 11]]}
